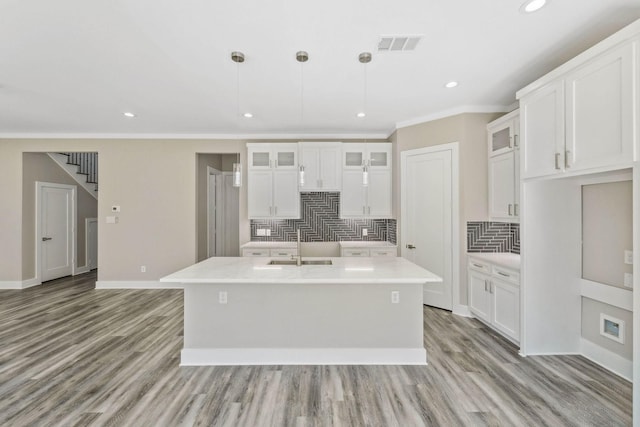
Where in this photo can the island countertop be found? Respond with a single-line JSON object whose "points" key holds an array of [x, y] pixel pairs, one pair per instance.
{"points": [[345, 270]]}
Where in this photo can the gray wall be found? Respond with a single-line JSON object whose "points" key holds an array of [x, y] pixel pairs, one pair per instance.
{"points": [[40, 167], [470, 131], [591, 310], [607, 231]]}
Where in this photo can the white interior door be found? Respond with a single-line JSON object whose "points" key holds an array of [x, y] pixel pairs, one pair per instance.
{"points": [[56, 230], [427, 226], [91, 252]]}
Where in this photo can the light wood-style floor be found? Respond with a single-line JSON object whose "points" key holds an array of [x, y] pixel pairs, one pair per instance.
{"points": [[71, 355]]}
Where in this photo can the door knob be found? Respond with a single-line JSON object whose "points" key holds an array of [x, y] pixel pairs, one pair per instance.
{"points": [[44, 239], [410, 246]]}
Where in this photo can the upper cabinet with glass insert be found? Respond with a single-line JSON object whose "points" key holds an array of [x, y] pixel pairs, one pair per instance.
{"points": [[502, 134], [372, 155], [273, 156]]}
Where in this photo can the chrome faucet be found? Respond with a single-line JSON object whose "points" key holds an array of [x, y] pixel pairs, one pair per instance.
{"points": [[299, 256]]}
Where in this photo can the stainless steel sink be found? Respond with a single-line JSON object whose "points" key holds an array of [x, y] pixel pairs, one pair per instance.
{"points": [[304, 262]]}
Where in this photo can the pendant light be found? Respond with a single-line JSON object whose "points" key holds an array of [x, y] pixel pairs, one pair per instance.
{"points": [[301, 57], [237, 172], [238, 58], [364, 58]]}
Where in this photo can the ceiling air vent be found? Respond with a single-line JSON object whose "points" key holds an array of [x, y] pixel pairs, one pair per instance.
{"points": [[400, 43]]}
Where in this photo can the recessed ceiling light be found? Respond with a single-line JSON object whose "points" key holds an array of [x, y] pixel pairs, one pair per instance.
{"points": [[451, 84], [129, 114], [248, 115], [532, 5], [361, 114]]}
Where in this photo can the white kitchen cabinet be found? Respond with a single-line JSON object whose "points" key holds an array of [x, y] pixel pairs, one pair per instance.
{"points": [[600, 105], [286, 200], [269, 156], [272, 184], [494, 296], [374, 155], [269, 249], [542, 130], [369, 251], [503, 133], [373, 200], [502, 186], [504, 171], [260, 193], [506, 307], [321, 163], [478, 280], [582, 119]]}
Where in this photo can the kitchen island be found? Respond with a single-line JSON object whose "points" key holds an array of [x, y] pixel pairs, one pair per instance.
{"points": [[245, 311]]}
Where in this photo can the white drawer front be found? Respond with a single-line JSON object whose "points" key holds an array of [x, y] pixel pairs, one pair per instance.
{"points": [[383, 252], [283, 252], [355, 252], [506, 274], [477, 265], [255, 252]]}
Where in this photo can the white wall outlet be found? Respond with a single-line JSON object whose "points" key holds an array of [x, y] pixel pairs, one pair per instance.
{"points": [[628, 257], [268, 230], [112, 220], [222, 297], [143, 269], [115, 208], [628, 280], [261, 231], [395, 297], [365, 232]]}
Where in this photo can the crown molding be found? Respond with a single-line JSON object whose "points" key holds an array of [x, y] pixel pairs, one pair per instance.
{"points": [[193, 136], [454, 112]]}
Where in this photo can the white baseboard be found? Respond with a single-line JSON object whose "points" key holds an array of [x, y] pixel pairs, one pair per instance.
{"points": [[19, 284], [302, 356], [607, 359], [135, 284], [461, 310]]}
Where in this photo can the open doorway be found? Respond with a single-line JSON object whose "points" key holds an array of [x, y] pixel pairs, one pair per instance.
{"points": [[60, 207], [217, 206]]}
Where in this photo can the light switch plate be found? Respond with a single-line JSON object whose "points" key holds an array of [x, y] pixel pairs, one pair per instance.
{"points": [[112, 220], [628, 257], [261, 232], [365, 232], [115, 208]]}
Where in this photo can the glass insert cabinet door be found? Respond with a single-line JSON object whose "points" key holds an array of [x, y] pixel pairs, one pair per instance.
{"points": [[500, 140]]}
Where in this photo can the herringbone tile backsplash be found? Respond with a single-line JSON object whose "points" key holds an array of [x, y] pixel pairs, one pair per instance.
{"points": [[320, 222], [485, 236]]}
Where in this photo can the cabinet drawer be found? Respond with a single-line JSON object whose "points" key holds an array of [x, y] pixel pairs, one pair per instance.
{"points": [[355, 252], [481, 266], [383, 252], [283, 252], [255, 252], [506, 274]]}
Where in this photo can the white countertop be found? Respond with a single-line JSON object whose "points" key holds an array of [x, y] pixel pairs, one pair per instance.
{"points": [[366, 244], [274, 245], [348, 270], [504, 259]]}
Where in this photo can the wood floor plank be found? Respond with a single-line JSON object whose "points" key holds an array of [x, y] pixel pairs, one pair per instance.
{"points": [[71, 355]]}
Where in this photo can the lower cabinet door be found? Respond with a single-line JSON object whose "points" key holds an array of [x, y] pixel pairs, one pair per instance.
{"points": [[479, 297], [506, 308]]}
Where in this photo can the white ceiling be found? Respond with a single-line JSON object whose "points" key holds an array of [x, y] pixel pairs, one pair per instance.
{"points": [[74, 66]]}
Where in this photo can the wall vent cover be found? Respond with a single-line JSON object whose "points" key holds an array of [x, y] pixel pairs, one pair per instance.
{"points": [[398, 43]]}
